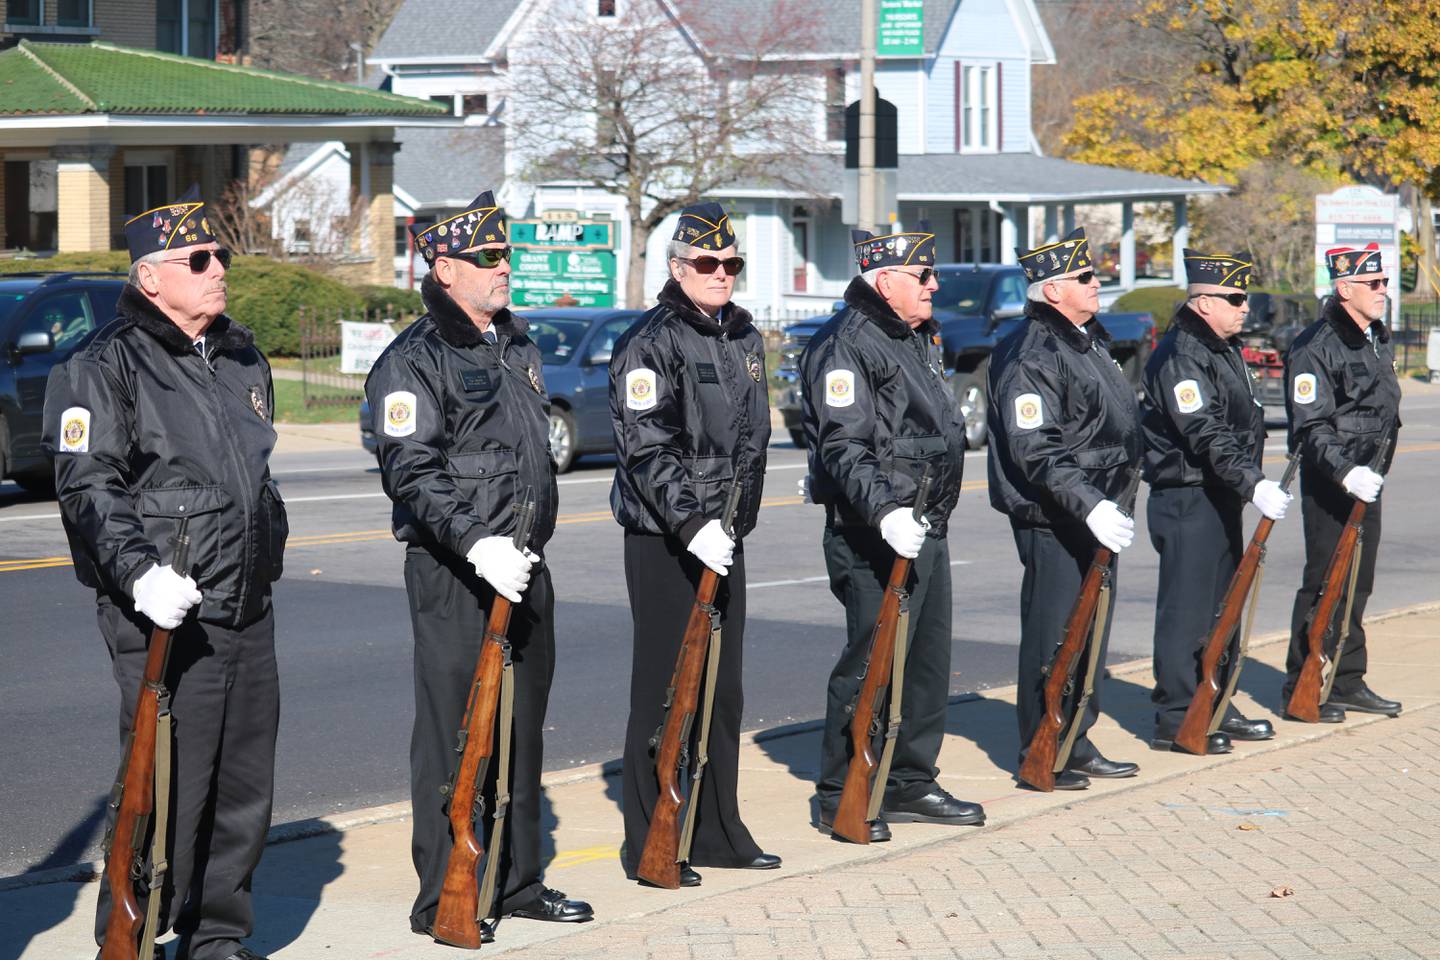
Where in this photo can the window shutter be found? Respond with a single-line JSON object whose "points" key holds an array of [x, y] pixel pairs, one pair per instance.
{"points": [[999, 107], [959, 105]]}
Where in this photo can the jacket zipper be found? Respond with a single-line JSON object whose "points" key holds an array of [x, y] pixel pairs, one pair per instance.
{"points": [[247, 564]]}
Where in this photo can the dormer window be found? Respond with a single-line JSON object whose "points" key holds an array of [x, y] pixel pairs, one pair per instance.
{"points": [[604, 8]]}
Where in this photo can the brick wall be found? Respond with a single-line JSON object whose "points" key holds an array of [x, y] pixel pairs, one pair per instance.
{"points": [[129, 23]]}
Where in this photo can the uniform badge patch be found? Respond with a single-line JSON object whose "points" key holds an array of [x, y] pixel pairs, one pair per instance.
{"points": [[839, 388], [640, 385], [75, 430], [752, 364], [1029, 411], [1187, 396], [534, 379], [1304, 388], [257, 402], [399, 413]]}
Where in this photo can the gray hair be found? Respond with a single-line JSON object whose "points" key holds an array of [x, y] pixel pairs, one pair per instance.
{"points": [[872, 277], [678, 250], [1036, 291], [151, 258]]}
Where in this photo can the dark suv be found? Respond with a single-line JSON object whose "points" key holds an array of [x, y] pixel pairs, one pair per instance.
{"points": [[43, 318]]}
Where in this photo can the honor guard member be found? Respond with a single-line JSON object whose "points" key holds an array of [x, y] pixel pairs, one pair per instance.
{"points": [[877, 415], [1065, 433], [164, 414], [691, 412], [462, 421], [1204, 438], [1343, 399]]}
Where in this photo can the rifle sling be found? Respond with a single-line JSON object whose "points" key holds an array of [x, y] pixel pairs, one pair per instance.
{"points": [[1102, 615], [702, 748], [897, 688], [1218, 716], [1342, 633], [495, 847], [159, 866]]}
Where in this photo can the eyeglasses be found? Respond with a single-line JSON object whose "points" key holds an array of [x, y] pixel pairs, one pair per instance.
{"points": [[1083, 278], [199, 260], [485, 258], [1234, 299], [923, 276], [1380, 284], [708, 265]]}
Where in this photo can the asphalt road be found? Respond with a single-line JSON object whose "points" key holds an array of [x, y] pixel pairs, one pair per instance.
{"points": [[343, 631]]}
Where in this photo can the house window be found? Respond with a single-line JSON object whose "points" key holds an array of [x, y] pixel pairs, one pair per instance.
{"points": [[605, 8], [186, 27], [24, 11], [402, 238], [300, 235], [835, 104], [475, 104], [979, 111], [447, 101], [800, 265], [73, 13], [147, 186]]}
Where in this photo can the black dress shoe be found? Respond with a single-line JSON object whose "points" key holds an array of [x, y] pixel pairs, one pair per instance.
{"points": [[1366, 701], [1216, 743], [879, 829], [551, 905], [1239, 728], [688, 878], [1064, 780], [158, 955], [245, 953], [935, 806], [765, 861], [487, 934], [1329, 713], [1102, 769]]}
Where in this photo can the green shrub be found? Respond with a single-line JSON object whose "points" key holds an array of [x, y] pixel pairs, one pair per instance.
{"points": [[106, 261], [394, 303], [1159, 302]]}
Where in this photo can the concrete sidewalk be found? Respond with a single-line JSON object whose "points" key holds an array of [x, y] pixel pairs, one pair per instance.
{"points": [[1179, 862]]}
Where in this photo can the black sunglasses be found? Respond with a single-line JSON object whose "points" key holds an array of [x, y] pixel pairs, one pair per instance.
{"points": [[923, 276], [485, 258], [1084, 278], [199, 260], [1380, 284], [1234, 299], [708, 265]]}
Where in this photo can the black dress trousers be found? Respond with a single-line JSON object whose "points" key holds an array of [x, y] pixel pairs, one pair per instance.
{"points": [[859, 563], [661, 577], [225, 710], [1324, 508], [1055, 560], [449, 607], [1198, 533]]}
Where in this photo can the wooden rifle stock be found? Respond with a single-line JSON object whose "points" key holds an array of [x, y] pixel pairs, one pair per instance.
{"points": [[1194, 732], [457, 918], [659, 864], [851, 821], [1038, 770], [133, 796], [1305, 697]]}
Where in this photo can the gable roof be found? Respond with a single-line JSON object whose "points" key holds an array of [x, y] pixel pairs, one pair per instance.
{"points": [[101, 78], [472, 159], [437, 29], [836, 33]]}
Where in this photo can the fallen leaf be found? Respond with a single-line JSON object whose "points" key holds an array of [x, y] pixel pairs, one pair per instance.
{"points": [[951, 916], [1247, 826], [1282, 892], [316, 572]]}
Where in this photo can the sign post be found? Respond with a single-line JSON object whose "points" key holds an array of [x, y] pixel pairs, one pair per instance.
{"points": [[1353, 217], [563, 257]]}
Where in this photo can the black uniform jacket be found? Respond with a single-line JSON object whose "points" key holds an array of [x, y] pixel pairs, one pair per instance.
{"points": [[1202, 422], [463, 428], [877, 412], [1064, 424], [145, 431], [691, 410], [1341, 393]]}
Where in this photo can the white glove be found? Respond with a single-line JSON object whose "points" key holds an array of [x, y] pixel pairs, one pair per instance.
{"points": [[164, 596], [1270, 500], [1111, 527], [1362, 483], [904, 535], [803, 489], [506, 569], [713, 547]]}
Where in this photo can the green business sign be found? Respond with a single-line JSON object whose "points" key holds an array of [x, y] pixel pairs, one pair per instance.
{"points": [[563, 234], [540, 278], [901, 30]]}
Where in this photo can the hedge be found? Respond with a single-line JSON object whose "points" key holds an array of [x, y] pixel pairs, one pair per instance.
{"points": [[394, 303], [264, 293], [1159, 302]]}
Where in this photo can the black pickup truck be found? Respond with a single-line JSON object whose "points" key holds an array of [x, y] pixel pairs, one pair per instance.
{"points": [[976, 305]]}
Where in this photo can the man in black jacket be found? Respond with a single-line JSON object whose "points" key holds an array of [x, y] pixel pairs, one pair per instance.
{"points": [[691, 412], [1204, 437], [165, 414], [1343, 399], [462, 420], [1065, 433], [877, 414]]}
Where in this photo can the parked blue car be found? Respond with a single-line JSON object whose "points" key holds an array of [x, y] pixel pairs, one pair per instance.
{"points": [[575, 345]]}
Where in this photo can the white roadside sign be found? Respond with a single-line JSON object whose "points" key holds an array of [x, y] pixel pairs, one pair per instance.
{"points": [[361, 345]]}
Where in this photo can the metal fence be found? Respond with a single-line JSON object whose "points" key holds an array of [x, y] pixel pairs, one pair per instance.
{"points": [[769, 320], [321, 382], [1413, 336]]}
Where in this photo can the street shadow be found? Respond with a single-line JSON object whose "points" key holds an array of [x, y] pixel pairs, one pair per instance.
{"points": [[52, 903], [988, 723], [1264, 684], [290, 881]]}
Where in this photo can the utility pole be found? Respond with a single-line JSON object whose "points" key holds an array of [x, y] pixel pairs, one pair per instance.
{"points": [[867, 115]]}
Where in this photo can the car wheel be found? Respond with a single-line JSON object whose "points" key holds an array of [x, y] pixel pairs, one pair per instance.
{"points": [[38, 484], [562, 439], [974, 407], [797, 437]]}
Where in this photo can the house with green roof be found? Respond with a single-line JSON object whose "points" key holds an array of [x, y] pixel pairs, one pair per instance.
{"points": [[92, 131]]}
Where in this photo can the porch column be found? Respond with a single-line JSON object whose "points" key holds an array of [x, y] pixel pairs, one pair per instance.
{"points": [[83, 197], [1052, 223], [3, 244], [1069, 218], [1180, 241], [1014, 215], [1127, 245], [380, 211]]}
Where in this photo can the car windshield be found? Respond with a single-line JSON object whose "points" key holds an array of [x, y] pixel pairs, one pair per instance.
{"points": [[961, 290], [557, 338], [9, 300]]}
